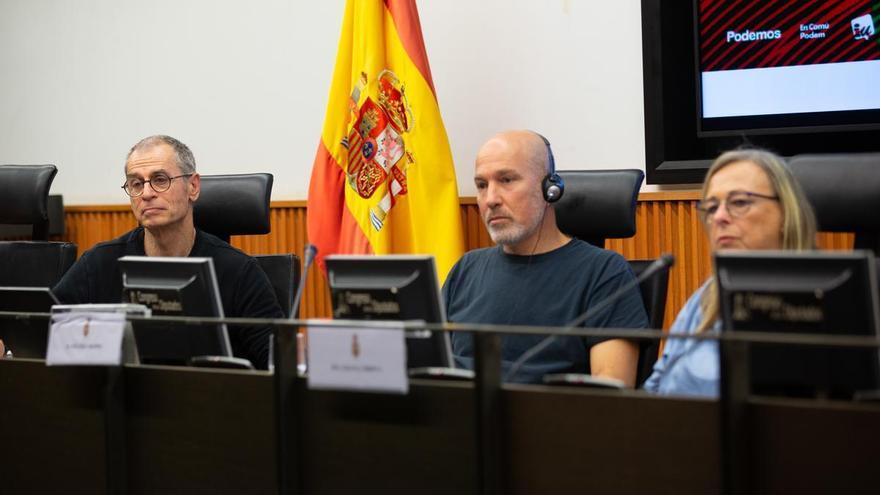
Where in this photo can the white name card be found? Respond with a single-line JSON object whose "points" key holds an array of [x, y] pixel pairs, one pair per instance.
{"points": [[362, 359], [85, 339]]}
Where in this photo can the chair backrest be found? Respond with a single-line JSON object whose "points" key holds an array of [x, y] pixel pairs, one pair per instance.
{"points": [[235, 204], [34, 263], [844, 190], [238, 204], [24, 193], [283, 271], [24, 201], [55, 205], [654, 290], [599, 204]]}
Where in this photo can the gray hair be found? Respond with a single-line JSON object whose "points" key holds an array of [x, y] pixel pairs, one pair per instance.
{"points": [[798, 221], [184, 156]]}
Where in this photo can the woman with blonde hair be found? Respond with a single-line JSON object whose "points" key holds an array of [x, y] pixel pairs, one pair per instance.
{"points": [[750, 201]]}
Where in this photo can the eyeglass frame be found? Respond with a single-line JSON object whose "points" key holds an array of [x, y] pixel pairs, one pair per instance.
{"points": [[150, 182], [707, 217]]}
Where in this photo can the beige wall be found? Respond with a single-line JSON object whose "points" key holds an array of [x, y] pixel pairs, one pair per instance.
{"points": [[245, 83]]}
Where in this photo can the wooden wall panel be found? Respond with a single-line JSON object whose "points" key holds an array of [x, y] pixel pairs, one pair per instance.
{"points": [[669, 226], [666, 222]]}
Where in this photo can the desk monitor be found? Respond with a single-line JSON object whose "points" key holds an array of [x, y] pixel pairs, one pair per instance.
{"points": [[26, 338], [813, 292], [395, 287], [174, 287]]}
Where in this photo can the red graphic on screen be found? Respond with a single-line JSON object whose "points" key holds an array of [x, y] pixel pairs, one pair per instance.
{"points": [[748, 34]]}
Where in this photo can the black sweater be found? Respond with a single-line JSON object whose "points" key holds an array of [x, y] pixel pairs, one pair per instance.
{"points": [[245, 290]]}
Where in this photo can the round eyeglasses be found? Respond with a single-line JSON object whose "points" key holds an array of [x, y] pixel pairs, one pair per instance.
{"points": [[737, 204], [159, 182]]}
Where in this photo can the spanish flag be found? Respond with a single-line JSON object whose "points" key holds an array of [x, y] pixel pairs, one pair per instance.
{"points": [[383, 180]]}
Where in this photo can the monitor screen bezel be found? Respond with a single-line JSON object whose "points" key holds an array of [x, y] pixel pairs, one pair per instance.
{"points": [[726, 260], [335, 261], [36, 295], [200, 266], [806, 122], [20, 335], [674, 152]]}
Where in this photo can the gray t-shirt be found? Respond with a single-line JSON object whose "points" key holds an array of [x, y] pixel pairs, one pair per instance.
{"points": [[550, 289]]}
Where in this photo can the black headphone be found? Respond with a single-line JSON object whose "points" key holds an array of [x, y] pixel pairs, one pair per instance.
{"points": [[552, 185]]}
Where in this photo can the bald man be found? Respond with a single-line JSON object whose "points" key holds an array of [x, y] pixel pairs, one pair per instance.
{"points": [[537, 275]]}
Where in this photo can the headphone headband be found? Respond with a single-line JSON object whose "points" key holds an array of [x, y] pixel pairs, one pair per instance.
{"points": [[551, 161]]}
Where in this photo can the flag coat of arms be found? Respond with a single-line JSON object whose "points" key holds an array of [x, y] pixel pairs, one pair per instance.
{"points": [[383, 179]]}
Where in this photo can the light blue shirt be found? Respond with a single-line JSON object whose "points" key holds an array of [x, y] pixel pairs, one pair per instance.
{"points": [[687, 366]]}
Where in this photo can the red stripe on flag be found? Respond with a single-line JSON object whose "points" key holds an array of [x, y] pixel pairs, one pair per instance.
{"points": [[406, 20], [331, 227]]}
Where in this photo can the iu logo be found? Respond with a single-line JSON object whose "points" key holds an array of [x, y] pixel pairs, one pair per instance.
{"points": [[863, 27]]}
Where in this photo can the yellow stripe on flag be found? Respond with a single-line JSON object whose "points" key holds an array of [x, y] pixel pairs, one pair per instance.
{"points": [[397, 173]]}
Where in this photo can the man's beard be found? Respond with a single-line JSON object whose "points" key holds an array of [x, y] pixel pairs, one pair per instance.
{"points": [[514, 233], [510, 234]]}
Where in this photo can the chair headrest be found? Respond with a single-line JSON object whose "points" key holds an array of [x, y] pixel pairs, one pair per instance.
{"points": [[236, 204], [599, 204], [844, 189], [24, 190], [34, 264]]}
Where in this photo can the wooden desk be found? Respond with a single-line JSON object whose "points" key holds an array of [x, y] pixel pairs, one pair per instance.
{"points": [[207, 431], [186, 430], [564, 440], [424, 442]]}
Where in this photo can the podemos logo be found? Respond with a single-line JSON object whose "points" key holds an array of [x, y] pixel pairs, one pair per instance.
{"points": [[747, 35], [863, 27]]}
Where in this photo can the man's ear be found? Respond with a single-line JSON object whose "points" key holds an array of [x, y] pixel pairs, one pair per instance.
{"points": [[195, 187]]}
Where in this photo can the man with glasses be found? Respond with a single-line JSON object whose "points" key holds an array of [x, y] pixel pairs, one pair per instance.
{"points": [[162, 183]]}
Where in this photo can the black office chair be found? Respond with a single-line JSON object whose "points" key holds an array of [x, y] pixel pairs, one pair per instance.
{"points": [[238, 204], [654, 290], [283, 272], [24, 192], [844, 190], [34, 263], [55, 209], [599, 205]]}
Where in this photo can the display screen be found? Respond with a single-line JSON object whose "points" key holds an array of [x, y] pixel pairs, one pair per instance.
{"points": [[779, 64]]}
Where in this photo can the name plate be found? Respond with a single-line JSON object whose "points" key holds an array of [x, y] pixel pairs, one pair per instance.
{"points": [[79, 338], [360, 359]]}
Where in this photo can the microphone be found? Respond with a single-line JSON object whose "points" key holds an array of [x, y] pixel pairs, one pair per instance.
{"points": [[664, 261], [311, 251]]}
